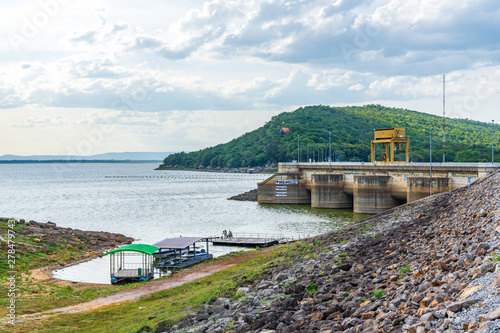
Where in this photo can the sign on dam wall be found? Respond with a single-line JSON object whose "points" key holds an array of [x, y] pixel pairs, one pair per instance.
{"points": [[366, 187]]}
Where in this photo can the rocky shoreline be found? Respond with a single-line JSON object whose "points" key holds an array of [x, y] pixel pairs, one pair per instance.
{"points": [[428, 266], [38, 238], [258, 169], [247, 196]]}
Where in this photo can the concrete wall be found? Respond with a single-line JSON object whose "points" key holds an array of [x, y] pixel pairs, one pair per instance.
{"points": [[421, 187], [327, 191], [284, 188], [372, 194]]}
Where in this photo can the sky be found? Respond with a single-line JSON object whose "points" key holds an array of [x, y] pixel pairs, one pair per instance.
{"points": [[83, 77]]}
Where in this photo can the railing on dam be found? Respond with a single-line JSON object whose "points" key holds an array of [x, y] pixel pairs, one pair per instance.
{"points": [[416, 164]]}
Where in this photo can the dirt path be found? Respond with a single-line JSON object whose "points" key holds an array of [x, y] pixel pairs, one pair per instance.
{"points": [[178, 279], [145, 289]]}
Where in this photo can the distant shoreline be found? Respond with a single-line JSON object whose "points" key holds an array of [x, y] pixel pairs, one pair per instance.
{"points": [[76, 161], [250, 170]]}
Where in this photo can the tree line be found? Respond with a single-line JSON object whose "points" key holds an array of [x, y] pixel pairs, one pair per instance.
{"points": [[351, 129]]}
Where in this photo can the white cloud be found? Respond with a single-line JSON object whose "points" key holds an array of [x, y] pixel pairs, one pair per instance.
{"points": [[191, 65]]}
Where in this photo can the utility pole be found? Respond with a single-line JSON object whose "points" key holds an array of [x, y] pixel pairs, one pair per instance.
{"points": [[444, 113]]}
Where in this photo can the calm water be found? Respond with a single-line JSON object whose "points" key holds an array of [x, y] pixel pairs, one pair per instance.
{"points": [[133, 199]]}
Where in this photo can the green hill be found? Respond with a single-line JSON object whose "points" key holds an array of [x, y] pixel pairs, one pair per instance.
{"points": [[351, 131]]}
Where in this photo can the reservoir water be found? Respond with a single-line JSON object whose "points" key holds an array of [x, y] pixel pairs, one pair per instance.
{"points": [[148, 205]]}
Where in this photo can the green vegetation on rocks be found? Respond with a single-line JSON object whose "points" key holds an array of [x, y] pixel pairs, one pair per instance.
{"points": [[351, 131]]}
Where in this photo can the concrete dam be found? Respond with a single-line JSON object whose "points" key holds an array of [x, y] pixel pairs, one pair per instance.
{"points": [[366, 187]]}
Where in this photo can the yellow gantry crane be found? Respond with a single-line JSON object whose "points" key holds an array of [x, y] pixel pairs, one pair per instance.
{"points": [[393, 140]]}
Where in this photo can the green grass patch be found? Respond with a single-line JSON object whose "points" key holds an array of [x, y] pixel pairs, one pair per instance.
{"points": [[312, 288], [496, 258], [404, 270], [366, 227], [378, 293]]}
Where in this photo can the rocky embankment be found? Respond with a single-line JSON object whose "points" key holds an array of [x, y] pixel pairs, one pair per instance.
{"points": [[247, 196], [429, 266]]}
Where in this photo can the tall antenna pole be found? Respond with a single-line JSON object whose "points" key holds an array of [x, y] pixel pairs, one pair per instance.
{"points": [[444, 113], [430, 160]]}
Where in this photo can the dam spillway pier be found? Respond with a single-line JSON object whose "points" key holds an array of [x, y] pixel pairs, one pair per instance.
{"points": [[365, 187]]}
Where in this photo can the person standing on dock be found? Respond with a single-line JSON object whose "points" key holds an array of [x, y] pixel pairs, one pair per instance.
{"points": [[230, 234]]}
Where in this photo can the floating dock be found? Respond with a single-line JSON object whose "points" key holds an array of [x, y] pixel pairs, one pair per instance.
{"points": [[139, 266], [249, 240], [178, 265], [132, 274], [180, 253]]}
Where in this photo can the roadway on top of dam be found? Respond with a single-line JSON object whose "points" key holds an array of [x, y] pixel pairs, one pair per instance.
{"points": [[483, 168]]}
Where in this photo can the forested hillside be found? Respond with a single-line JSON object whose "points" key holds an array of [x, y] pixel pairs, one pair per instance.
{"points": [[351, 131]]}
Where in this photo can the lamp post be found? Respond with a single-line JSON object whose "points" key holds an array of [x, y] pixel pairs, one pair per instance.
{"points": [[492, 136], [330, 152], [298, 149]]}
